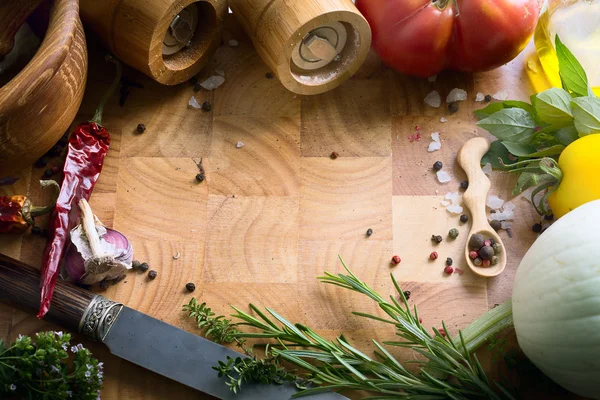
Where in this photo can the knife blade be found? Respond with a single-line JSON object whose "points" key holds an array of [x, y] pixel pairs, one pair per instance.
{"points": [[136, 337]]}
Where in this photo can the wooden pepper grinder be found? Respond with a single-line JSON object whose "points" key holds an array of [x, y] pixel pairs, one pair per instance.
{"points": [[168, 40], [312, 46]]}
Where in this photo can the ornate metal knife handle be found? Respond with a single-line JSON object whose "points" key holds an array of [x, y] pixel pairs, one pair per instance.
{"points": [[99, 317]]}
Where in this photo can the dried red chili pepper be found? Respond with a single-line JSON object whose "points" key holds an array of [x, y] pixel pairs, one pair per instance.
{"points": [[17, 213], [88, 144]]}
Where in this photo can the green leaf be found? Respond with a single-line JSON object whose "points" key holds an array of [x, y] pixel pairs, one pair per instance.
{"points": [[554, 106], [566, 135], [511, 124], [586, 111], [495, 107], [522, 150], [571, 73], [497, 151]]}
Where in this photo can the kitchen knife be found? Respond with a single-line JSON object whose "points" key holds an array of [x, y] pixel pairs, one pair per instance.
{"points": [[134, 336]]}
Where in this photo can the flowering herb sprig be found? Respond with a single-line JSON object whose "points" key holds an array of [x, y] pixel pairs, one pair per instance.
{"points": [[47, 367]]}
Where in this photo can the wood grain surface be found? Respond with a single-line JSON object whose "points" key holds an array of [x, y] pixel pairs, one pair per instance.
{"points": [[275, 213]]}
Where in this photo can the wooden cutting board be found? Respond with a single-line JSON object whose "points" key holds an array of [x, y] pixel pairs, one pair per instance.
{"points": [[275, 213]]}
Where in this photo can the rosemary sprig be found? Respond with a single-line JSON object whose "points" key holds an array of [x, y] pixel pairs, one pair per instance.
{"points": [[448, 367]]}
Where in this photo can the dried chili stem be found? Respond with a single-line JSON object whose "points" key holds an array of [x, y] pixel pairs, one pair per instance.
{"points": [[36, 211], [98, 115]]}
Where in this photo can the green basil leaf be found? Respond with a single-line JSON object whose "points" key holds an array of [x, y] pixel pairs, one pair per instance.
{"points": [[510, 124], [496, 151], [488, 110], [566, 135], [495, 107], [586, 111], [554, 106], [523, 150], [571, 73]]}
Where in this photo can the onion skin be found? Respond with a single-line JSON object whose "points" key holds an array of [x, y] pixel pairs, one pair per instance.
{"points": [[556, 301], [75, 264]]}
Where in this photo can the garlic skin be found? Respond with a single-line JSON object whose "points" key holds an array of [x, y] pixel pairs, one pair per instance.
{"points": [[97, 253]]}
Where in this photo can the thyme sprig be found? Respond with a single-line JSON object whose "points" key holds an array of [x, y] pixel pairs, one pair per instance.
{"points": [[447, 369]]}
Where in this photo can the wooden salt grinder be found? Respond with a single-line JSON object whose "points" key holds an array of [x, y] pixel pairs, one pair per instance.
{"points": [[168, 40], [312, 46]]}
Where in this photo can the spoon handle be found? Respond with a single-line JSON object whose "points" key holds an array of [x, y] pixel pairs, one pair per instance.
{"points": [[469, 158]]}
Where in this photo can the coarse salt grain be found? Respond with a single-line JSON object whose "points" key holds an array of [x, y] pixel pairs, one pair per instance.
{"points": [[452, 196], [194, 103], [487, 169], [220, 72], [501, 95], [443, 119], [494, 202], [436, 144], [432, 78], [443, 176], [454, 209], [433, 99], [456, 94], [213, 82], [445, 203], [234, 43], [505, 225], [479, 97], [239, 145]]}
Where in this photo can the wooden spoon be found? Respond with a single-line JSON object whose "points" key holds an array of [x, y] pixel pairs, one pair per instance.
{"points": [[469, 158]]}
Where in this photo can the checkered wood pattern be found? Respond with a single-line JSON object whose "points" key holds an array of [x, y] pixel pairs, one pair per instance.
{"points": [[276, 213]]}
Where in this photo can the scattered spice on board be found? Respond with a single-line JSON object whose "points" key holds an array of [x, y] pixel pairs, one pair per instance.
{"points": [[453, 233], [437, 165], [448, 270], [396, 260], [449, 261], [55, 169], [177, 256], [269, 75], [88, 145], [206, 107], [141, 128], [239, 145], [334, 155], [453, 107], [104, 285], [369, 232], [136, 264], [201, 176], [190, 287], [464, 218], [197, 87], [433, 256], [41, 162], [233, 43], [152, 274], [487, 98], [464, 185], [537, 228], [437, 238], [496, 225], [144, 267], [48, 173], [406, 294]]}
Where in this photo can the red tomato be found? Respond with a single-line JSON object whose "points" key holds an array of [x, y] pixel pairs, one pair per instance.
{"points": [[421, 37]]}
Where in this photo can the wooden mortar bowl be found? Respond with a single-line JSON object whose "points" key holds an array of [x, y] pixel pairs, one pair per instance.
{"points": [[39, 104]]}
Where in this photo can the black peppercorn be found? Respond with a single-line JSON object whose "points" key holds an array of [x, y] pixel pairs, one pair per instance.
{"points": [[104, 284], [407, 294], [48, 173], [136, 264], [144, 267], [486, 252], [41, 163], [193, 80], [464, 185], [269, 75], [206, 107], [197, 87], [537, 228], [476, 241], [488, 98], [437, 238], [190, 287], [496, 225], [369, 232], [200, 177], [437, 165], [453, 107], [152, 274], [36, 230], [464, 218], [549, 217], [55, 151], [449, 261], [141, 128], [334, 155]]}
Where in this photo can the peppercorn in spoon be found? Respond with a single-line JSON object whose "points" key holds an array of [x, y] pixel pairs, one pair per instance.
{"points": [[484, 246]]}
